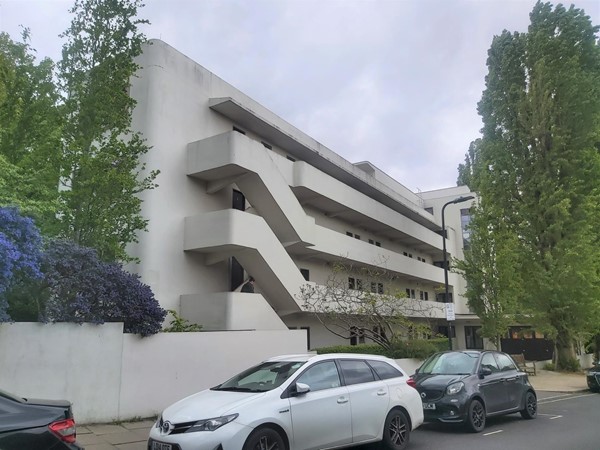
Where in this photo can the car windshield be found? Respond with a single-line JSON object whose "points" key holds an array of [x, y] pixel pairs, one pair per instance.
{"points": [[455, 363], [261, 378]]}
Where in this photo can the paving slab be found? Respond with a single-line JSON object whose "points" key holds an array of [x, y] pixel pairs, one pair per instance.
{"points": [[89, 439], [99, 447], [146, 424], [101, 429], [126, 437], [134, 446]]}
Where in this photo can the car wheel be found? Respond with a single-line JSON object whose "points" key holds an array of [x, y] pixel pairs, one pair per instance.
{"points": [[396, 431], [476, 416], [530, 410], [264, 439]]}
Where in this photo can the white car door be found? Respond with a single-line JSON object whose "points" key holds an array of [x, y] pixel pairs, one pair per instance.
{"points": [[369, 399], [322, 416]]}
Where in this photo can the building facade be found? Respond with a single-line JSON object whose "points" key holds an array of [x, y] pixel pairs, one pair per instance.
{"points": [[244, 193]]}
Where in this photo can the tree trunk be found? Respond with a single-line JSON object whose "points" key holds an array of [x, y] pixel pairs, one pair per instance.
{"points": [[565, 351]]}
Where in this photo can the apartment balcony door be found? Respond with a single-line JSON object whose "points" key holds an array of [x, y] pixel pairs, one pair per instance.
{"points": [[236, 271]]}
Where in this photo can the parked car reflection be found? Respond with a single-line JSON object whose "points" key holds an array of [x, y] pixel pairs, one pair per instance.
{"points": [[469, 386]]}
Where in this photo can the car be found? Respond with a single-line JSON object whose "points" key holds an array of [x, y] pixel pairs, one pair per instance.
{"points": [[32, 424], [297, 402], [593, 378], [469, 386]]}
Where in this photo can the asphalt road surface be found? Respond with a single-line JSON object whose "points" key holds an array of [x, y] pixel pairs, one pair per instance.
{"points": [[564, 422]]}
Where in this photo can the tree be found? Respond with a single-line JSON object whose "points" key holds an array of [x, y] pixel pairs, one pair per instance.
{"points": [[102, 168], [20, 245], [81, 288], [537, 168], [30, 130], [356, 302], [490, 268]]}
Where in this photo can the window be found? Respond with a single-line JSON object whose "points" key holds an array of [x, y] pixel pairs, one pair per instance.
{"points": [[291, 159], [357, 336], [356, 236], [426, 295], [305, 273], [349, 233], [377, 244], [269, 146], [356, 372], [377, 288], [439, 297], [384, 370], [421, 295], [405, 254], [489, 362], [504, 362], [465, 219], [473, 339], [359, 284], [380, 331], [351, 283], [238, 130], [321, 376], [443, 330], [371, 241], [429, 210], [410, 255]]}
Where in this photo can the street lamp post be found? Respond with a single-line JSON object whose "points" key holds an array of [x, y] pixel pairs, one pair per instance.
{"points": [[451, 202]]}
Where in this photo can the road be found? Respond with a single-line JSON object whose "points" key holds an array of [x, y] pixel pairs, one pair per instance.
{"points": [[565, 421]]}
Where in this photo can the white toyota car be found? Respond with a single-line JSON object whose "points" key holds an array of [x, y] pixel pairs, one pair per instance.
{"points": [[297, 402]]}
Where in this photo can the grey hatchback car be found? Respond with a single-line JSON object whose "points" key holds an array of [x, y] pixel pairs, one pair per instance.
{"points": [[469, 386]]}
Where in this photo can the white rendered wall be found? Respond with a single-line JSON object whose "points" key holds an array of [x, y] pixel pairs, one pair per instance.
{"points": [[108, 375]]}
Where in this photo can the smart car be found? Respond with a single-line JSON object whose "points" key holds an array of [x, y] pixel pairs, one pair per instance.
{"points": [[297, 402], [469, 386]]}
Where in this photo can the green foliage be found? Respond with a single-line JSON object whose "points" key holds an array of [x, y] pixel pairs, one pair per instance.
{"points": [[570, 365], [180, 325], [102, 168], [414, 348], [536, 170], [30, 131], [550, 366]]}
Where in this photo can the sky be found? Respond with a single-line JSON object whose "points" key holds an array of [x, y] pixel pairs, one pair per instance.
{"points": [[393, 82]]}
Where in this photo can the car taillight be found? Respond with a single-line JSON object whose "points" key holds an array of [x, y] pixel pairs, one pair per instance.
{"points": [[411, 382], [64, 429]]}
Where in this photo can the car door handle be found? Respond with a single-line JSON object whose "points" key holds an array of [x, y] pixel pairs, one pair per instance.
{"points": [[508, 380], [381, 392], [342, 400]]}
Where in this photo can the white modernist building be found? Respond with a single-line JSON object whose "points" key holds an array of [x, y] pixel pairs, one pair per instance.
{"points": [[244, 193]]}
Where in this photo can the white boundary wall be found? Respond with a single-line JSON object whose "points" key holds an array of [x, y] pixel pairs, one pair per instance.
{"points": [[108, 375]]}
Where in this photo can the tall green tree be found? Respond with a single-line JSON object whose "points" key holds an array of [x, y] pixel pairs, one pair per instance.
{"points": [[538, 166], [102, 167], [30, 132]]}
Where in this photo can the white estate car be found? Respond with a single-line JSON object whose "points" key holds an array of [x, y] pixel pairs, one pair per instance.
{"points": [[297, 402]]}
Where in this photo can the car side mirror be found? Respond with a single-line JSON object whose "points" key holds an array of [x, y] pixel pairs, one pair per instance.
{"points": [[299, 389], [484, 371]]}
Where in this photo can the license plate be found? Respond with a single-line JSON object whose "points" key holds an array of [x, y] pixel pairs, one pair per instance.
{"points": [[428, 405], [160, 446]]}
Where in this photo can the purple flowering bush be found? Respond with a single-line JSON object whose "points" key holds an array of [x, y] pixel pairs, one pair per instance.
{"points": [[85, 289], [20, 252]]}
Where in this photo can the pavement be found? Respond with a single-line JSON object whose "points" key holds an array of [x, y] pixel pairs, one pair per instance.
{"points": [[134, 435]]}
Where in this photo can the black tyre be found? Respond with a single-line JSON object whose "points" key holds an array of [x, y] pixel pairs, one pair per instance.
{"points": [[530, 410], [476, 416], [396, 431], [265, 439]]}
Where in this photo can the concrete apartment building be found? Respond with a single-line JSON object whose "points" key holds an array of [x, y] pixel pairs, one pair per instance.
{"points": [[244, 193]]}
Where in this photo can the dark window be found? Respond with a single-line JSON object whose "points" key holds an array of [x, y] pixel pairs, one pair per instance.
{"points": [[465, 219], [489, 362], [473, 339], [439, 297], [379, 331], [307, 336], [443, 330], [291, 159], [356, 236], [348, 233], [357, 336], [238, 130], [321, 376], [380, 288], [351, 283], [429, 209], [504, 362], [356, 372], [238, 201], [426, 295], [236, 272], [412, 293], [374, 287], [269, 146], [305, 273], [410, 255], [408, 292], [421, 295], [405, 254], [384, 370], [377, 244], [359, 284], [371, 241]]}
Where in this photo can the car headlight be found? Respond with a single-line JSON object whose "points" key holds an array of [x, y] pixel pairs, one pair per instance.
{"points": [[455, 388], [212, 424]]}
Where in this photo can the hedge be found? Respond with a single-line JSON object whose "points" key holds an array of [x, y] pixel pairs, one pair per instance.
{"points": [[414, 348]]}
